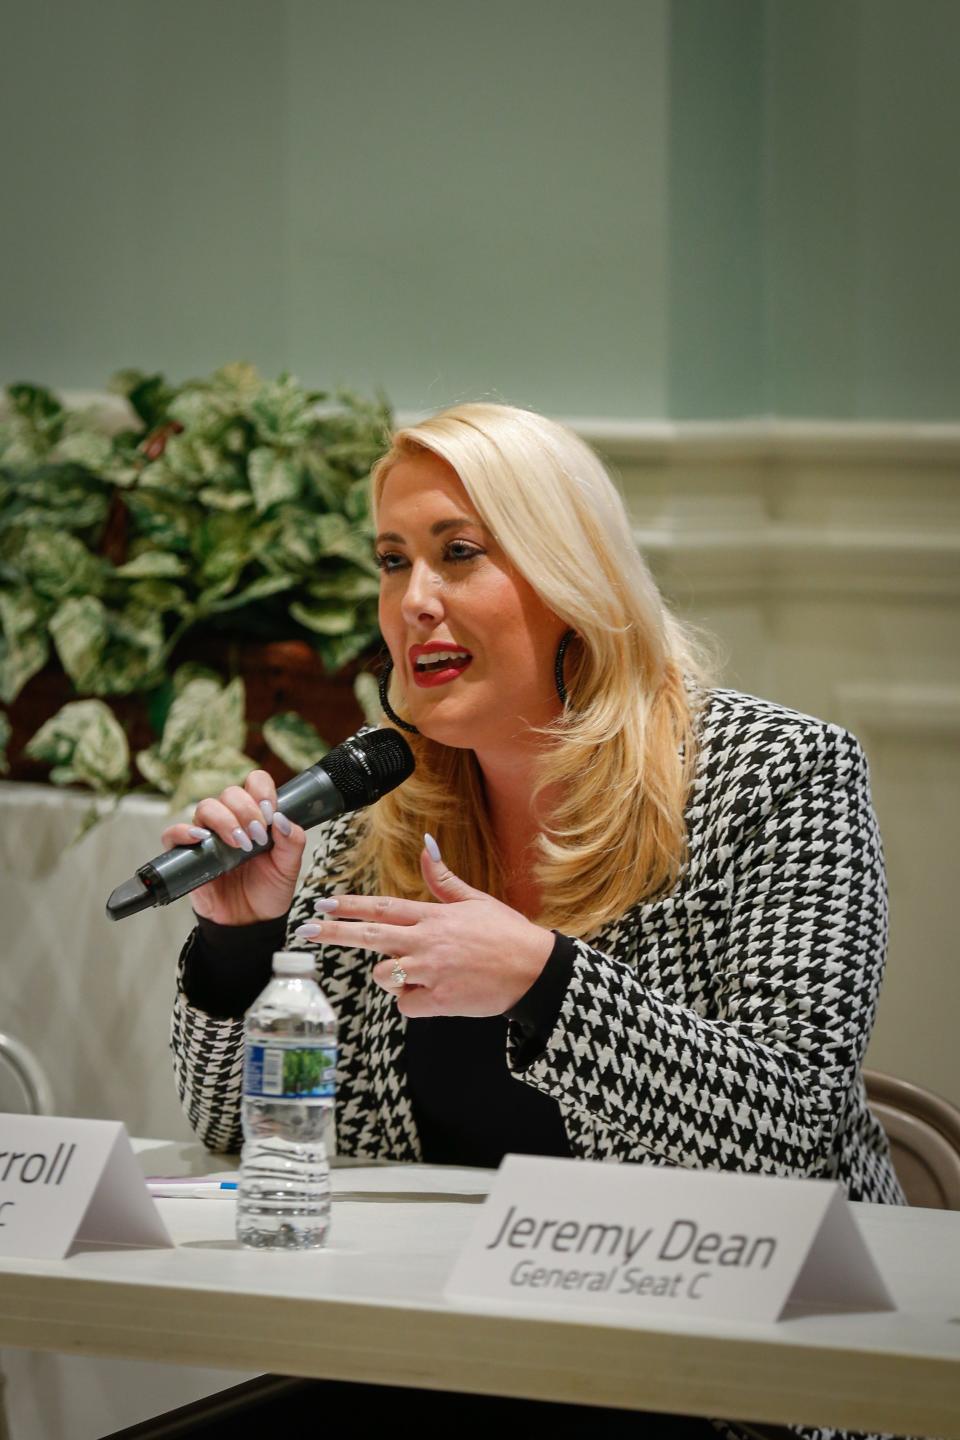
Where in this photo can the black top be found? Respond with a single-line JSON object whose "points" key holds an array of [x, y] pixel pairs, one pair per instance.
{"points": [[468, 1108]]}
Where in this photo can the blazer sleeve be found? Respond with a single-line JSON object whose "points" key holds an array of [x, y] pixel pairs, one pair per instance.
{"points": [[756, 1076], [207, 1067], [208, 1050]]}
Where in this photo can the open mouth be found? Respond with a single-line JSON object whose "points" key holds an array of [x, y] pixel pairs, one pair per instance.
{"points": [[457, 659], [436, 664]]}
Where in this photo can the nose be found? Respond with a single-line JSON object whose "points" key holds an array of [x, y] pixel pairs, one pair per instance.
{"points": [[423, 597]]}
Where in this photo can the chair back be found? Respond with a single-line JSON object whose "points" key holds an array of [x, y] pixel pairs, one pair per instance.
{"points": [[924, 1134], [24, 1087]]}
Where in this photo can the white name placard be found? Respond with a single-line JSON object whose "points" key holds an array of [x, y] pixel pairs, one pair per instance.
{"points": [[639, 1239], [67, 1181]]}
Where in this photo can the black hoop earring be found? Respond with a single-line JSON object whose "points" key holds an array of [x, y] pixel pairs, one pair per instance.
{"points": [[558, 666], [385, 705]]}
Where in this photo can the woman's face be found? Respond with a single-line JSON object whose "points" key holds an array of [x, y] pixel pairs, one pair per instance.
{"points": [[473, 646]]}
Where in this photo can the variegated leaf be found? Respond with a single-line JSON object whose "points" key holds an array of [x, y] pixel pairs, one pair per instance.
{"points": [[324, 617], [161, 596], [228, 500], [321, 479], [20, 660], [257, 590], [158, 475], [166, 521], [292, 738], [155, 771], [19, 612], [85, 512], [197, 409], [192, 670], [107, 652], [295, 544], [79, 630], [228, 768], [85, 447], [273, 478], [85, 743], [58, 565], [204, 713], [357, 503], [151, 565], [330, 529], [239, 379], [224, 565], [366, 688], [283, 413], [225, 720], [345, 582], [182, 459], [186, 716], [338, 650], [102, 756]]}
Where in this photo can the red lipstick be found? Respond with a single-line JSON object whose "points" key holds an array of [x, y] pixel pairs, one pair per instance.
{"points": [[439, 663]]}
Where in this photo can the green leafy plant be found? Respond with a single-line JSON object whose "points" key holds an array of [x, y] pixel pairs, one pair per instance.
{"points": [[201, 749], [231, 507], [85, 744]]}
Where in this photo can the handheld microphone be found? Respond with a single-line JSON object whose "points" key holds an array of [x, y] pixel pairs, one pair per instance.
{"points": [[353, 775]]}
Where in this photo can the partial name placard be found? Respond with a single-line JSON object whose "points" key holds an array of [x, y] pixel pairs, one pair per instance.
{"points": [[642, 1239], [66, 1181]]}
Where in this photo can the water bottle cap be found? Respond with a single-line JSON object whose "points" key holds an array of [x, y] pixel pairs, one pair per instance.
{"points": [[293, 962]]}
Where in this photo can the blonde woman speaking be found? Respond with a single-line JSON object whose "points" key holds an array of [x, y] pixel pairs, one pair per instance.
{"points": [[616, 913]]}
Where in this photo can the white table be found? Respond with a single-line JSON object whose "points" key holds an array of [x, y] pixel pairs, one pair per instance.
{"points": [[370, 1308]]}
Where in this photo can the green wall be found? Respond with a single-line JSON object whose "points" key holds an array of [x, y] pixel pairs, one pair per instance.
{"points": [[689, 208], [862, 169]]}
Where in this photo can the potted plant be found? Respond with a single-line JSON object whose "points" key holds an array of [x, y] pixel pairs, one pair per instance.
{"points": [[186, 589]]}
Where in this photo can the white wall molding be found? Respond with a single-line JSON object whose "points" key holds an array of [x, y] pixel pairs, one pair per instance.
{"points": [[804, 560], [772, 440], [762, 440]]}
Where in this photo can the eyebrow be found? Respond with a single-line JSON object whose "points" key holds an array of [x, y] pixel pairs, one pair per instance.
{"points": [[439, 527]]}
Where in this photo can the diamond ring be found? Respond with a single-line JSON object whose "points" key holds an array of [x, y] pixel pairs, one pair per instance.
{"points": [[398, 975]]}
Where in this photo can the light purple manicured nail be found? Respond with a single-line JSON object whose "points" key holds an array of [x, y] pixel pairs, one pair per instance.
{"points": [[242, 839], [324, 906], [308, 931], [257, 832], [266, 810], [198, 832], [281, 823], [431, 847]]}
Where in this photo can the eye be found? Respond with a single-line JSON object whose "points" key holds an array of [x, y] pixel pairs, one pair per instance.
{"points": [[458, 550], [389, 560]]}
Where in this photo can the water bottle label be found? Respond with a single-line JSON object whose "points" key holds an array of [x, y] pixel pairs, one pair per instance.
{"points": [[289, 1072]]}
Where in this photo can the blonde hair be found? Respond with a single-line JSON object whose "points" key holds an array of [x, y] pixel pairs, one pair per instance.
{"points": [[623, 752]]}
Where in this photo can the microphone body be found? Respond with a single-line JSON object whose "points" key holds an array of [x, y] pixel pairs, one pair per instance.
{"points": [[352, 775]]}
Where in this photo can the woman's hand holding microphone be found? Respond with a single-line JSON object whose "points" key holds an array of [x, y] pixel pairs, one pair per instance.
{"points": [[242, 817], [464, 953]]}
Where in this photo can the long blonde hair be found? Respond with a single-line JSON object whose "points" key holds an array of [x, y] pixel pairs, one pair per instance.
{"points": [[621, 756]]}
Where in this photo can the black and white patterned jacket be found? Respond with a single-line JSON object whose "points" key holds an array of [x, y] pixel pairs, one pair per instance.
{"points": [[722, 1027]]}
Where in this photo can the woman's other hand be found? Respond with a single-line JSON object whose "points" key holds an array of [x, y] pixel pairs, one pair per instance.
{"points": [[469, 955], [263, 889]]}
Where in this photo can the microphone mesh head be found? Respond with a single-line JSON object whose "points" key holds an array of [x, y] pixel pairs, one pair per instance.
{"points": [[369, 765]]}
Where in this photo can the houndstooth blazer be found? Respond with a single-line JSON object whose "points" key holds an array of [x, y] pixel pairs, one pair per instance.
{"points": [[721, 1027]]}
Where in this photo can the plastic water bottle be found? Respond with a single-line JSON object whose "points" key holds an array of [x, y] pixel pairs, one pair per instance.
{"points": [[283, 1195]]}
